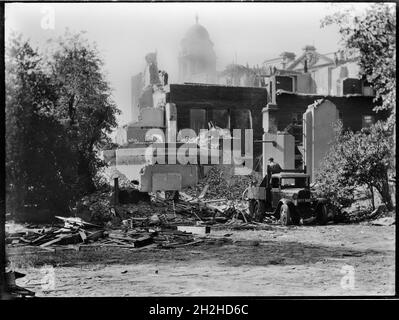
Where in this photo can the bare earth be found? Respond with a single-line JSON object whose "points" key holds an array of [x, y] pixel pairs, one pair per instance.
{"points": [[294, 261]]}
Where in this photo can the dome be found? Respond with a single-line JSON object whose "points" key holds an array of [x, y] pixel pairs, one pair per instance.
{"points": [[197, 31], [197, 34]]}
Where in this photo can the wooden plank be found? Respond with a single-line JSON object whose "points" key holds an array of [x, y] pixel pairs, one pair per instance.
{"points": [[83, 235], [243, 215], [143, 241], [203, 192], [41, 238], [195, 229], [117, 241], [95, 235], [111, 236], [58, 239], [71, 239]]}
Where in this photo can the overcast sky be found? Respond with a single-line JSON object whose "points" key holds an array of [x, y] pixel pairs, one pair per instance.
{"points": [[125, 32]]}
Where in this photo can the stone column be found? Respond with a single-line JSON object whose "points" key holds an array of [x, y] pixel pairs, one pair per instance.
{"points": [[282, 151], [318, 132], [269, 116]]}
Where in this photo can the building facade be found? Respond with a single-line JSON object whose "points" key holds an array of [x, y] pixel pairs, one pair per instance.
{"points": [[314, 73]]}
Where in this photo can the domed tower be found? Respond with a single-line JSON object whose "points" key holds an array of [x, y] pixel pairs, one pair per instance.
{"points": [[197, 59]]}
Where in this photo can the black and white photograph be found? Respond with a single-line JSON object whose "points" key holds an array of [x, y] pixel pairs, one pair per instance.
{"points": [[199, 149]]}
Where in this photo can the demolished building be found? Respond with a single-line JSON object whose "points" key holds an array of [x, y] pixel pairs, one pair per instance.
{"points": [[272, 99]]}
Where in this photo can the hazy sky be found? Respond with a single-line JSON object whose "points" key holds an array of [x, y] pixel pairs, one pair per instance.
{"points": [[125, 32]]}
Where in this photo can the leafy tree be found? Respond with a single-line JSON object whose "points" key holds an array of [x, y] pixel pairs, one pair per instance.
{"points": [[372, 38], [355, 160], [84, 102], [58, 114], [330, 178], [37, 157]]}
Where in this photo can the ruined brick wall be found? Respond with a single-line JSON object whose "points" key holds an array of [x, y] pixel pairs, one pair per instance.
{"points": [[209, 97], [351, 108]]}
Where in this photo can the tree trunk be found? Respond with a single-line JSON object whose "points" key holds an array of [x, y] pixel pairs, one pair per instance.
{"points": [[385, 193], [85, 175], [372, 197]]}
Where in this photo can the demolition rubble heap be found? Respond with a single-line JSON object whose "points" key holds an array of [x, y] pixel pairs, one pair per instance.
{"points": [[223, 183], [217, 198], [156, 221]]}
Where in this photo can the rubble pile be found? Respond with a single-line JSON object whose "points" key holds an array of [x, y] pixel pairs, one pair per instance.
{"points": [[96, 207], [209, 211], [144, 237], [74, 231], [99, 208], [223, 183], [83, 235]]}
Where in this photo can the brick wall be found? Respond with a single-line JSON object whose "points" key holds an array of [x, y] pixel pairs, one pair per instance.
{"points": [[351, 108], [189, 96]]}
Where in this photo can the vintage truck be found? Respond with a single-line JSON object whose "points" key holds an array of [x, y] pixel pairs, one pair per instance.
{"points": [[287, 196]]}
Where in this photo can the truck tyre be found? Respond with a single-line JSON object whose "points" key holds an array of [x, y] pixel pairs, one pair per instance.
{"points": [[322, 214], [295, 218], [285, 215]]}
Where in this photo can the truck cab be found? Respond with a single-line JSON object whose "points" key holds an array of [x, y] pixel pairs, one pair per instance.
{"points": [[286, 195]]}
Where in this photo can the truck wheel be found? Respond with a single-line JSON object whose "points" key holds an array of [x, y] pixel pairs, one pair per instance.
{"points": [[295, 218], [285, 215], [322, 215]]}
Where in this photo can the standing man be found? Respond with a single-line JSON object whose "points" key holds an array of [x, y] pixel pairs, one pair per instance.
{"points": [[165, 78], [274, 166]]}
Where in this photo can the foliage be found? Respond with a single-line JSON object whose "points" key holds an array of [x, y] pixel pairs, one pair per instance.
{"points": [[84, 102], [372, 38], [355, 160], [35, 173], [330, 179], [58, 113]]}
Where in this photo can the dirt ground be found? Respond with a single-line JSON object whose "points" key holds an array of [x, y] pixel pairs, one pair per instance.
{"points": [[356, 259]]}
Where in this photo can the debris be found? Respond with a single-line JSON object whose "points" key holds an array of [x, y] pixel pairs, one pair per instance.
{"points": [[195, 229], [143, 241], [222, 183], [74, 222], [57, 239], [73, 231], [154, 219], [95, 235], [386, 221], [378, 211], [83, 236], [203, 192]]}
